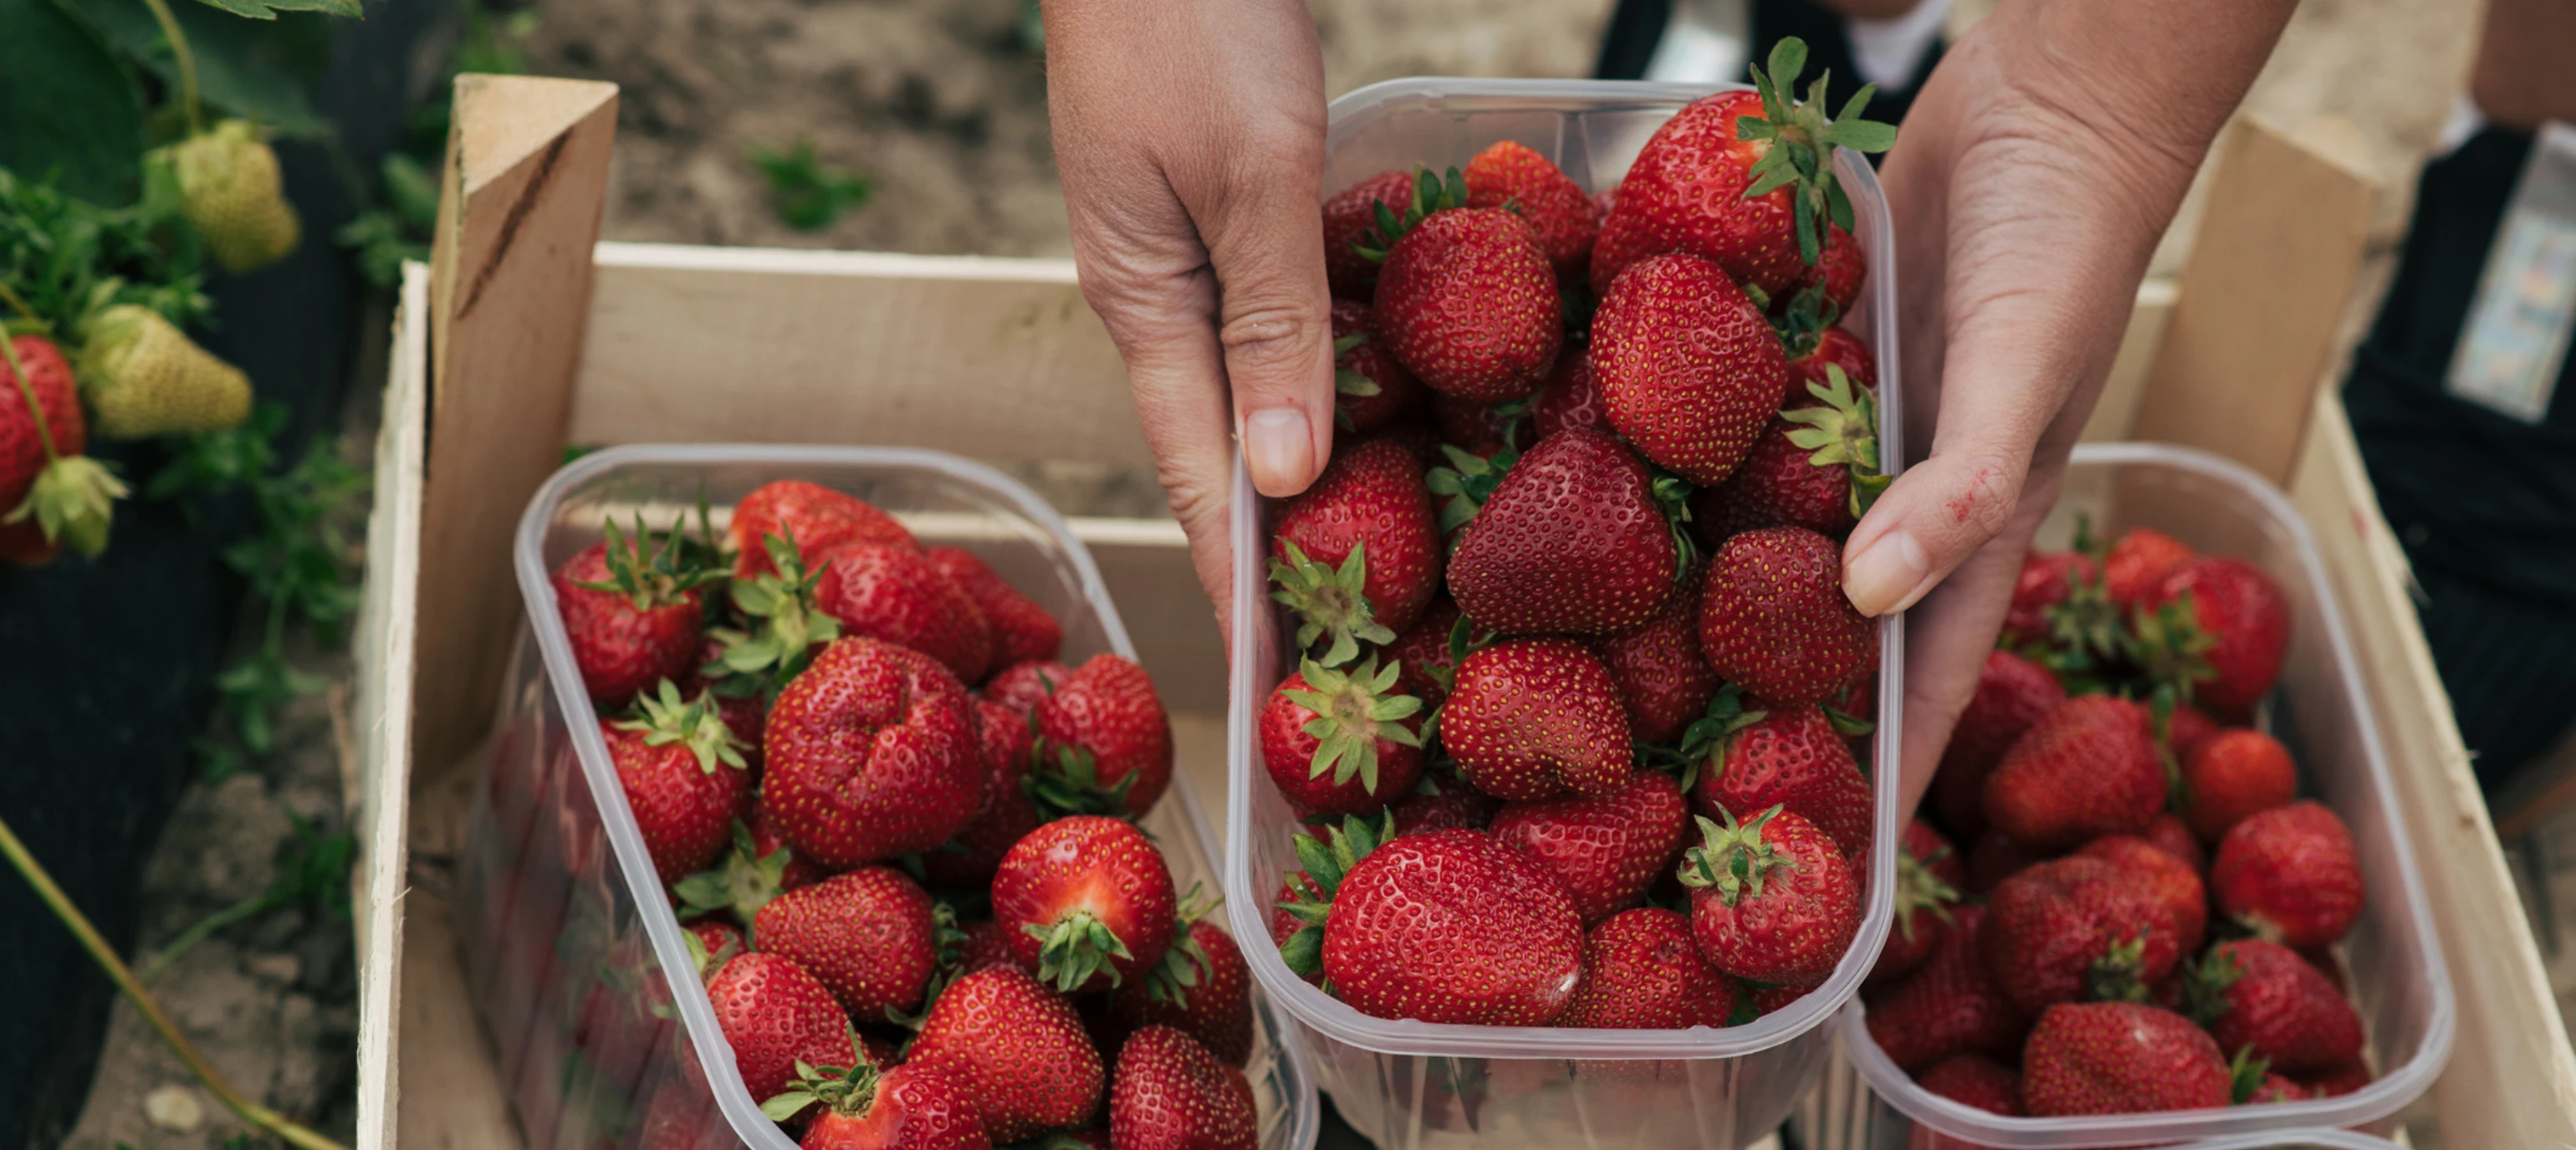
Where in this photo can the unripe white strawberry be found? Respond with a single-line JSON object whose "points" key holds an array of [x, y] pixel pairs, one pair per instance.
{"points": [[229, 188], [143, 376]]}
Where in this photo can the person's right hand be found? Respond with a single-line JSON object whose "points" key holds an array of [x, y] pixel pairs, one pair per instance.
{"points": [[1190, 138]]}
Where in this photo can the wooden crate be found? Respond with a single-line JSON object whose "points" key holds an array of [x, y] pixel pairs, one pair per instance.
{"points": [[526, 334]]}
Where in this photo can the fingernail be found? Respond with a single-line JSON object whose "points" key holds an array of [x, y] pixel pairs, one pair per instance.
{"points": [[1883, 578], [1279, 447]]}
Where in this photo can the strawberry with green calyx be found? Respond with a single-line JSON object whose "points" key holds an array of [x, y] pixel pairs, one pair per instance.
{"points": [[1446, 926], [2078, 929], [1789, 756], [1465, 298], [684, 777], [1356, 554], [230, 188], [1350, 216], [1090, 901], [2135, 562], [864, 1108], [1016, 1048], [144, 377], [1426, 664], [2235, 623], [1689, 369], [2261, 998], [742, 882], [1306, 896], [1706, 737], [785, 626], [1104, 742], [868, 935], [775, 1015], [1510, 176], [1577, 538], [1203, 988], [2119, 1058], [1021, 685], [51, 495], [632, 610], [1929, 874], [817, 519], [2253, 1082], [1331, 737], [1842, 430], [1772, 900], [1815, 466]]}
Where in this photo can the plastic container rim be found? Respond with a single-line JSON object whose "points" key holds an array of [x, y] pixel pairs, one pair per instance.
{"points": [[741, 1111], [2384, 1096], [1247, 896]]}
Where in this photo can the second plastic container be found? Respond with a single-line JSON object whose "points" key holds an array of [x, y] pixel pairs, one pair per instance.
{"points": [[1411, 1085], [2321, 711]]}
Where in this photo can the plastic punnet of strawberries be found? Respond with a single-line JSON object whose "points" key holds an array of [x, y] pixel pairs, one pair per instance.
{"points": [[2148, 915], [1577, 704], [902, 840]]}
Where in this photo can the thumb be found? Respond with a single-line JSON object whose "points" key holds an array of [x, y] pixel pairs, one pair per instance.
{"points": [[1265, 241]]}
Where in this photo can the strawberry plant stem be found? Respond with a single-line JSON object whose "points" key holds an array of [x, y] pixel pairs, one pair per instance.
{"points": [[10, 296], [292, 1132], [187, 62], [27, 391]]}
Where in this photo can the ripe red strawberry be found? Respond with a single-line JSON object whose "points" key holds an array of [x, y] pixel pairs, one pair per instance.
{"points": [[1022, 630], [1450, 926], [1790, 756], [2242, 614], [1928, 877], [865, 935], [1020, 686], [1088, 902], [2086, 768], [1771, 899], [1974, 1080], [1104, 740], [1689, 369], [1341, 741], [819, 520], [1295, 887], [1204, 990], [759, 867], [1719, 179], [2168, 834], [1840, 270], [1814, 466], [2119, 1058], [2262, 997], [1642, 971], [1774, 999], [2012, 693], [1173, 1094], [1425, 665], [896, 594], [1606, 849], [633, 612], [1773, 619], [1950, 1005], [1663, 681], [872, 753], [2251, 1082], [2235, 773], [775, 1014], [1357, 556], [65, 497], [904, 1108], [1996, 856], [1833, 347], [1349, 217], [2336, 1081], [684, 778], [1536, 718], [1450, 804], [2289, 875], [968, 858], [1370, 389], [2078, 929], [1478, 426], [1573, 540], [2139, 560], [2046, 579], [986, 943], [2186, 729], [1466, 300], [1571, 397], [1015, 1048], [2171, 880], [1509, 175]]}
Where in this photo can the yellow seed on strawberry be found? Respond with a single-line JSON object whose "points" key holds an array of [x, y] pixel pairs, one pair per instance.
{"points": [[142, 376], [229, 188]]}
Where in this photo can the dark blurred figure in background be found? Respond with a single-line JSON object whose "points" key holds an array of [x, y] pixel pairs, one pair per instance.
{"points": [[1890, 43]]}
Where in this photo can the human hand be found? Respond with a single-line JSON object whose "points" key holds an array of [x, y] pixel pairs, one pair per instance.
{"points": [[2031, 181], [1190, 139]]}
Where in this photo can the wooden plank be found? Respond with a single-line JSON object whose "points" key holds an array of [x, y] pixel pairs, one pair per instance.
{"points": [[2258, 321], [2512, 1075], [510, 289], [990, 358], [1146, 565], [2117, 410], [383, 651]]}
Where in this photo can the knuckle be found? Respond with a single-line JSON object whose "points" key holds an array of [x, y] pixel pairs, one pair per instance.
{"points": [[1272, 337]]}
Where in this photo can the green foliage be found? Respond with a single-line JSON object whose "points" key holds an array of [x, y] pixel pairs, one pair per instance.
{"points": [[253, 70], [383, 237], [66, 256], [808, 194], [268, 9], [312, 876], [69, 109]]}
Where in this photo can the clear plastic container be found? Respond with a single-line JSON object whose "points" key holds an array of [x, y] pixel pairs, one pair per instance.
{"points": [[566, 931], [1410, 1085], [2320, 710]]}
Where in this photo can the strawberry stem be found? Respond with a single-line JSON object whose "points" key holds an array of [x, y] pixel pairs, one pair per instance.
{"points": [[55, 900], [187, 63], [27, 391]]}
